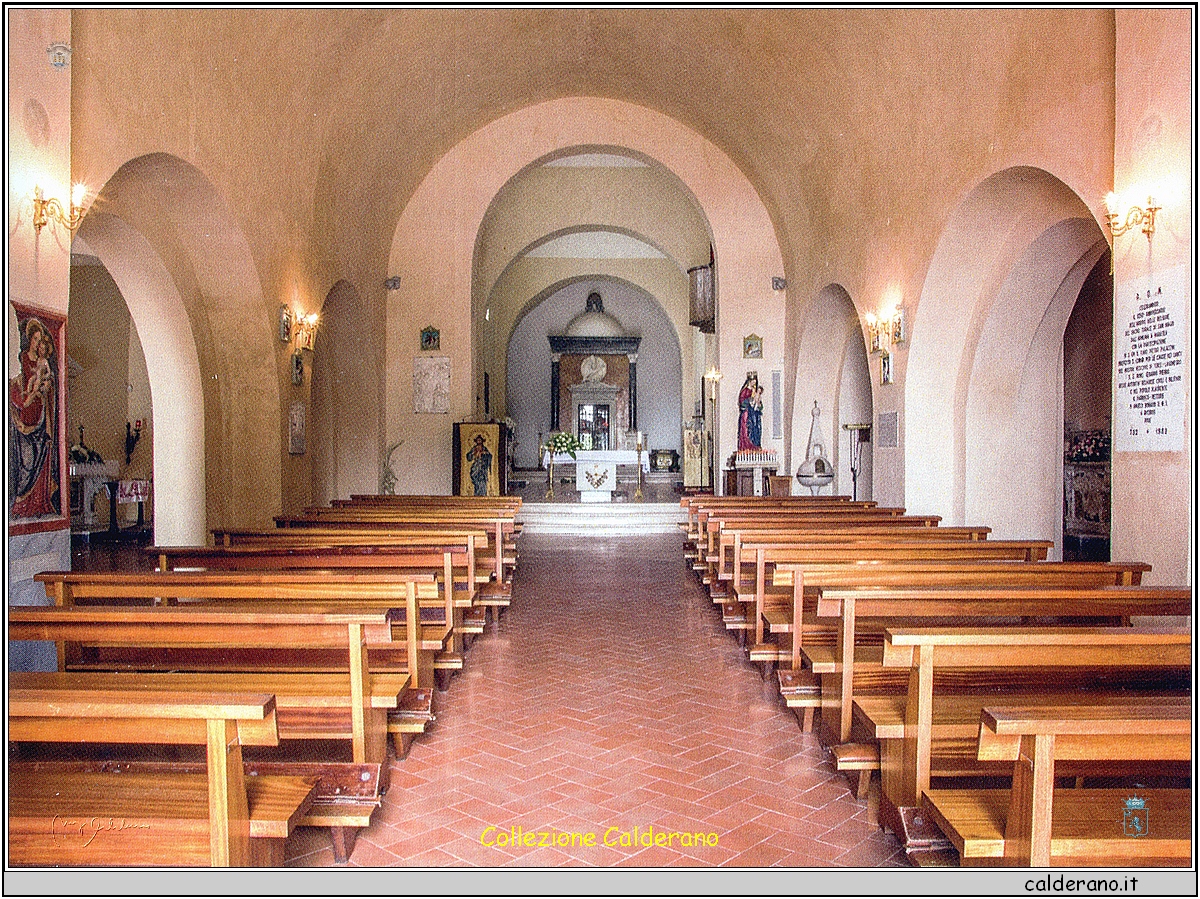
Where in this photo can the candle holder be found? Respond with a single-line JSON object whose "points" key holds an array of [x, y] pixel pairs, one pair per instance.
{"points": [[637, 496], [133, 433]]}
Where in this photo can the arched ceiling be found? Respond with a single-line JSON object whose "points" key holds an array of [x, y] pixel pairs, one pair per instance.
{"points": [[367, 100]]}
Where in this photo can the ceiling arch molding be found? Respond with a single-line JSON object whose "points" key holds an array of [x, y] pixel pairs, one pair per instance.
{"points": [[1020, 225], [434, 246]]}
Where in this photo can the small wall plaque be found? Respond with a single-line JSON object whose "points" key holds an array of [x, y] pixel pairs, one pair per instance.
{"points": [[431, 339]]}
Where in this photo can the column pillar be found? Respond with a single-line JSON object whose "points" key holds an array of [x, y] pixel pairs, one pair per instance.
{"points": [[633, 391], [554, 360]]}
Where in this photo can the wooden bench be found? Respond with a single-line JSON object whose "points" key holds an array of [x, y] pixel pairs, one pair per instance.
{"points": [[984, 601], [712, 524], [768, 556], [256, 640], [953, 674], [454, 558], [502, 529], [733, 545], [782, 605], [291, 650], [76, 815], [1034, 825]]}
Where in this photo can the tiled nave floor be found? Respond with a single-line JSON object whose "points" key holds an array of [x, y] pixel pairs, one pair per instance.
{"points": [[609, 696]]}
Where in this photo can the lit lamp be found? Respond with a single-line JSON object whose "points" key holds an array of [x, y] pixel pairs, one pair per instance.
{"points": [[45, 211], [304, 333], [885, 331], [1134, 216]]}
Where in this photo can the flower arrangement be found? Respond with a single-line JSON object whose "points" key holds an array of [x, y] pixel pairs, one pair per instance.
{"points": [[559, 442], [562, 442]]}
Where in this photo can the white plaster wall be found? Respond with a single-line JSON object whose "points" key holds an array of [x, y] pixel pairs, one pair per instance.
{"points": [[1013, 434], [173, 369]]}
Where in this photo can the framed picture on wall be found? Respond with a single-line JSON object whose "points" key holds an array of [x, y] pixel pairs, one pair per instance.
{"points": [[296, 444], [480, 454], [752, 347], [39, 495], [431, 339]]}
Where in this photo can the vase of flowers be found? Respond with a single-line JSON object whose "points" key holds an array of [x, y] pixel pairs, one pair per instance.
{"points": [[559, 442]]}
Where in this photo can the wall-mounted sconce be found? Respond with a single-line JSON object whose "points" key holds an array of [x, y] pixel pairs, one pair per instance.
{"points": [[1121, 221], [304, 332], [51, 210], [884, 332]]}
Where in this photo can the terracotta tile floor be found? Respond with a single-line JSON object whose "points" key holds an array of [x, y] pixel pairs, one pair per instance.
{"points": [[607, 698]]}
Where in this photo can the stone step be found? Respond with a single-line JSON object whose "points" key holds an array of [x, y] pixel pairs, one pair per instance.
{"points": [[600, 519]]}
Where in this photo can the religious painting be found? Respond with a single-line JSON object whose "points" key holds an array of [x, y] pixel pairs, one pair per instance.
{"points": [[752, 347], [431, 339], [479, 452], [431, 385], [296, 443], [37, 423]]}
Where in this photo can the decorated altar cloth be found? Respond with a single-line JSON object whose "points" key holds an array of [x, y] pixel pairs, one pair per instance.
{"points": [[616, 457]]}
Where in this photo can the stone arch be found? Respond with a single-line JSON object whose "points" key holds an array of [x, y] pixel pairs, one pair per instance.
{"points": [[347, 389], [983, 388], [528, 352], [832, 369], [184, 267], [665, 282], [435, 237]]}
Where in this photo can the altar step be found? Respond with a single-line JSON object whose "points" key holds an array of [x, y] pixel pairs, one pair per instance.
{"points": [[601, 519]]}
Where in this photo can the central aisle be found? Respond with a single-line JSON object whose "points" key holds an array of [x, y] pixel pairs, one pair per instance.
{"points": [[609, 698]]}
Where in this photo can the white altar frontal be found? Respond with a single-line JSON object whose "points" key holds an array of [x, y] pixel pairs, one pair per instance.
{"points": [[596, 470], [595, 480], [616, 457]]}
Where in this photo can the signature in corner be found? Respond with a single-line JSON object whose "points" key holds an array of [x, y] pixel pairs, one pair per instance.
{"points": [[88, 828]]}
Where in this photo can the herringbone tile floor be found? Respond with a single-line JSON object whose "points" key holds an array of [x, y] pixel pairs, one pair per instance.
{"points": [[609, 701]]}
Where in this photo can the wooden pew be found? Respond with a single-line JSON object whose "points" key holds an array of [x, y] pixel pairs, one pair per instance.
{"points": [[502, 529], [735, 546], [711, 524], [243, 644], [928, 731], [259, 640], [453, 556], [694, 503], [875, 548], [74, 815], [806, 691], [1034, 825], [981, 602]]}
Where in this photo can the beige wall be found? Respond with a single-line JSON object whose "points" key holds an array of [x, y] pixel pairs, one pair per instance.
{"points": [[850, 147], [38, 144], [435, 245], [1153, 149]]}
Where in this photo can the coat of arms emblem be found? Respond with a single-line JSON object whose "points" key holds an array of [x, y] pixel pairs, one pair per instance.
{"points": [[1136, 818]]}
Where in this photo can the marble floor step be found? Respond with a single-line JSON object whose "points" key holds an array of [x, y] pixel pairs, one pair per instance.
{"points": [[608, 519]]}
